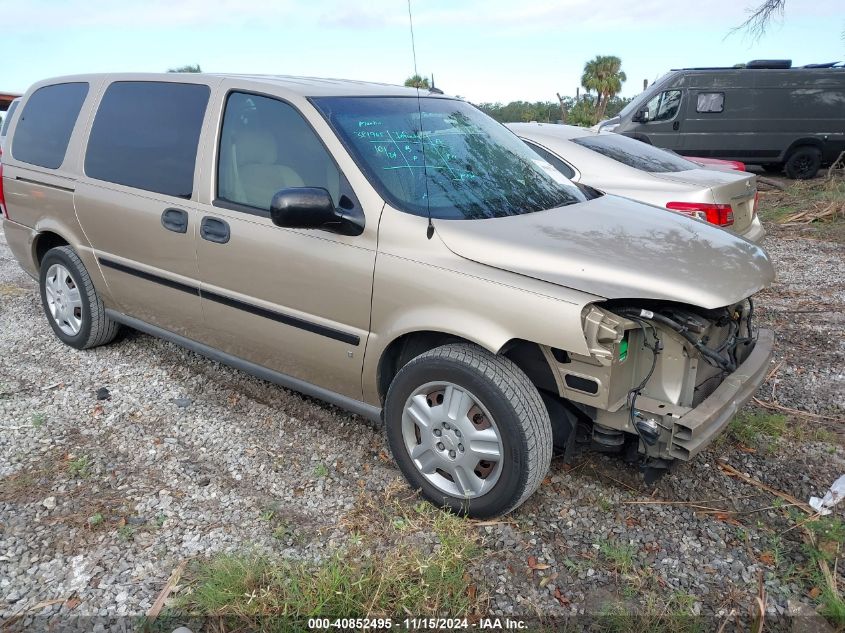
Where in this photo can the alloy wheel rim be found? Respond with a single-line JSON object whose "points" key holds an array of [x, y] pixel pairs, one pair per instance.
{"points": [[63, 299], [452, 440]]}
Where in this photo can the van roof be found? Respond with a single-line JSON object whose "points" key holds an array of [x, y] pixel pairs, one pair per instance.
{"points": [[303, 86]]}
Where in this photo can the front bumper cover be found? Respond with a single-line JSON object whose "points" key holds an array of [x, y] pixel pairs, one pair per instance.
{"points": [[694, 430]]}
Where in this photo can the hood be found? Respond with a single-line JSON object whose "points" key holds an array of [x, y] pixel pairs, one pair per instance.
{"points": [[617, 249]]}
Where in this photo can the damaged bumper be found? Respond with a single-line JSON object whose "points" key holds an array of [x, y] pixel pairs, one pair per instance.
{"points": [[695, 429]]}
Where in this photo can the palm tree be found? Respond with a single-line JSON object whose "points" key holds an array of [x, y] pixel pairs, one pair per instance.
{"points": [[415, 81], [604, 75]]}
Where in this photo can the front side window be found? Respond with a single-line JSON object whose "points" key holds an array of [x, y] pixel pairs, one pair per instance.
{"points": [[710, 102], [634, 153], [266, 145], [145, 135], [553, 160], [664, 107], [444, 157], [46, 123]]}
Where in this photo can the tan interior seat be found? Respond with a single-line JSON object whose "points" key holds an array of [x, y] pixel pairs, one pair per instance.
{"points": [[257, 174]]}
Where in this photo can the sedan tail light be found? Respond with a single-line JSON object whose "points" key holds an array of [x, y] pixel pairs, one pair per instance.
{"points": [[718, 214]]}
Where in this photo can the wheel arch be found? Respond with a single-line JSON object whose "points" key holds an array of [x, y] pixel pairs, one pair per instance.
{"points": [[807, 141], [525, 354], [43, 242]]}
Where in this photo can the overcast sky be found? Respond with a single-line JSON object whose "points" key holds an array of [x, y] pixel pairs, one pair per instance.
{"points": [[484, 50]]}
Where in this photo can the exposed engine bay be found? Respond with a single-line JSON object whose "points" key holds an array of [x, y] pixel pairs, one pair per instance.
{"points": [[651, 364]]}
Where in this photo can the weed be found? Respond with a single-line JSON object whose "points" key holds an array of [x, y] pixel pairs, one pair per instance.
{"points": [[159, 520], [619, 555], [321, 471], [96, 520], [80, 467], [657, 615], [604, 504], [750, 428], [126, 532], [39, 420]]}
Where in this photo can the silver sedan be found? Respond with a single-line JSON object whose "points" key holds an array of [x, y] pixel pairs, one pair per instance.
{"points": [[623, 166]]}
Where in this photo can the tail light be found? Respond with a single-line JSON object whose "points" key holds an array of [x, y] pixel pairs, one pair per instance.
{"points": [[718, 214], [2, 195]]}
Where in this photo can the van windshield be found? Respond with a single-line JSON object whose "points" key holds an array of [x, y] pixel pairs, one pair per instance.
{"points": [[634, 153], [444, 157]]}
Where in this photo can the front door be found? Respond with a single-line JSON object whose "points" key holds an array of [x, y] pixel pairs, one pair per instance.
{"points": [[663, 126], [295, 301], [135, 200]]}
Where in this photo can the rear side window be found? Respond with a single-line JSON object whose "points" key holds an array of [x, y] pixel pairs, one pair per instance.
{"points": [[8, 118], [634, 153], [145, 135], [557, 163], [710, 102], [47, 120]]}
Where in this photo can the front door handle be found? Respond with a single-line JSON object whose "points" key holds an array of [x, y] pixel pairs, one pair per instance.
{"points": [[175, 220], [676, 126], [214, 230]]}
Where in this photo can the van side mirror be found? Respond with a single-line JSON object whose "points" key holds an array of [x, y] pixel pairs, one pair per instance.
{"points": [[642, 116], [313, 208]]}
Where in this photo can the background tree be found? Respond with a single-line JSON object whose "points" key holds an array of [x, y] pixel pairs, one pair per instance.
{"points": [[760, 17], [190, 68], [415, 81], [604, 75]]}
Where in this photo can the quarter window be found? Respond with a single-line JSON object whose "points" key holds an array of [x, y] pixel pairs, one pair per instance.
{"points": [[266, 145], [145, 135], [556, 162], [46, 123], [8, 118], [664, 107], [710, 102]]}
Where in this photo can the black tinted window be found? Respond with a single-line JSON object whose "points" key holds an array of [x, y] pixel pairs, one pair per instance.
{"points": [[635, 153], [557, 163], [145, 135], [47, 121], [8, 118]]}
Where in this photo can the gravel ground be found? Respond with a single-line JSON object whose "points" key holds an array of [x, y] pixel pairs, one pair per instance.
{"points": [[101, 499]]}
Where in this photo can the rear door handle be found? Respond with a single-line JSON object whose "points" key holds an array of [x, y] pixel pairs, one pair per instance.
{"points": [[676, 126], [175, 220], [214, 230]]}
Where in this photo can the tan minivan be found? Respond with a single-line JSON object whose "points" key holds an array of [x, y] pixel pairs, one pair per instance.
{"points": [[398, 254]]}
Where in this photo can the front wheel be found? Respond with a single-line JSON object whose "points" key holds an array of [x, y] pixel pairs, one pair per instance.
{"points": [[468, 429]]}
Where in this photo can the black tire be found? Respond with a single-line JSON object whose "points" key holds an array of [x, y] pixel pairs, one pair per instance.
{"points": [[773, 168], [803, 163], [96, 328], [513, 402]]}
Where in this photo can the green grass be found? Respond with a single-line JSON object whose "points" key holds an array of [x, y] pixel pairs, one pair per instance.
{"points": [[39, 420], [620, 556], [658, 615], [258, 592], [96, 520], [321, 471], [777, 207], [754, 428]]}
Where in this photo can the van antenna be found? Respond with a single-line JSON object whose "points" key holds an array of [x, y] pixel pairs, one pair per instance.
{"points": [[430, 230]]}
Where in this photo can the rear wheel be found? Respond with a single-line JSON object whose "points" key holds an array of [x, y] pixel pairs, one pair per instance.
{"points": [[73, 308], [803, 163], [468, 429]]}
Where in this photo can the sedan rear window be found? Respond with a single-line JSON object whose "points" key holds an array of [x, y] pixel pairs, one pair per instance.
{"points": [[634, 153], [444, 157]]}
